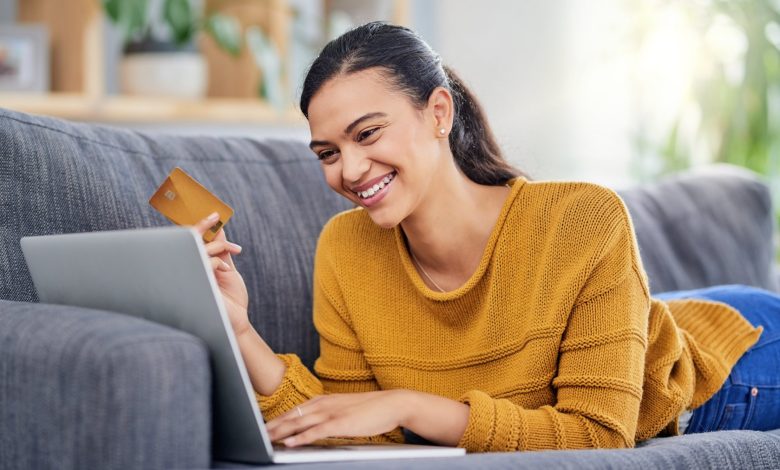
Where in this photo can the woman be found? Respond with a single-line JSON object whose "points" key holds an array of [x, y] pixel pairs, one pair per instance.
{"points": [[468, 305]]}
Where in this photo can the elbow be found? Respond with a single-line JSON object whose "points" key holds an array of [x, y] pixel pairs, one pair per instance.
{"points": [[615, 439]]}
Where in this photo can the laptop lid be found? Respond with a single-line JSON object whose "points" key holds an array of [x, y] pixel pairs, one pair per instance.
{"points": [[162, 275]]}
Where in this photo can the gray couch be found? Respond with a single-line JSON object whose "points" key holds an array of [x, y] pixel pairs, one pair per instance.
{"points": [[81, 388]]}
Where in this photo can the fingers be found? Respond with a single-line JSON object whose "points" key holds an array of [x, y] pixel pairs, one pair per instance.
{"points": [[311, 413], [218, 247], [315, 432], [207, 223], [305, 407], [294, 426], [219, 265], [306, 429]]}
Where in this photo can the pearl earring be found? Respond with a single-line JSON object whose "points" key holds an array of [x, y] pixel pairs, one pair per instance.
{"points": [[442, 131]]}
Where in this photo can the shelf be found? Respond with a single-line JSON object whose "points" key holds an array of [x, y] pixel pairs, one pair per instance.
{"points": [[78, 41], [150, 109]]}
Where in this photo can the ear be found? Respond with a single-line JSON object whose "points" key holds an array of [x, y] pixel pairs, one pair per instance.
{"points": [[442, 110]]}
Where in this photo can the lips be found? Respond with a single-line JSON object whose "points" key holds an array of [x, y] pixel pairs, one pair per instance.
{"points": [[365, 186], [374, 187]]}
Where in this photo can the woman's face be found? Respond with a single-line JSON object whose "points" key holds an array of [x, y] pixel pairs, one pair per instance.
{"points": [[376, 148]]}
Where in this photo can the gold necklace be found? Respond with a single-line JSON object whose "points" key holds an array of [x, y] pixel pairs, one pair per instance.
{"points": [[417, 262]]}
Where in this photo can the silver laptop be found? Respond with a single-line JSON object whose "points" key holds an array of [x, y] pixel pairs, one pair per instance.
{"points": [[163, 275]]}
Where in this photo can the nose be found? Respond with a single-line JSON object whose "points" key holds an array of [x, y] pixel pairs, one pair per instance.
{"points": [[354, 165]]}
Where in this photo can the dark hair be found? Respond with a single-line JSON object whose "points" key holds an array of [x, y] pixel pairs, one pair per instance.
{"points": [[415, 69]]}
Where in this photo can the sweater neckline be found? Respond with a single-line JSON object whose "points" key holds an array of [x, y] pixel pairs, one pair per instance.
{"points": [[416, 278]]}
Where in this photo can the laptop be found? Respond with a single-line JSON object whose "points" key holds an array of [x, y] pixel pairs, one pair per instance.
{"points": [[163, 275]]}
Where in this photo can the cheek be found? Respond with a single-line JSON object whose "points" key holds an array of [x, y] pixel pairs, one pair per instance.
{"points": [[333, 178]]}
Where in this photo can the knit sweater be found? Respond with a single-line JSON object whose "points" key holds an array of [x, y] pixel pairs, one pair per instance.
{"points": [[554, 342]]}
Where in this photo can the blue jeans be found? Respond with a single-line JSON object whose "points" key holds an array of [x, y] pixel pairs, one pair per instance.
{"points": [[750, 397]]}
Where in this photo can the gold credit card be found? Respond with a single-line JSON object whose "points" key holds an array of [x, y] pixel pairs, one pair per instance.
{"points": [[184, 201]]}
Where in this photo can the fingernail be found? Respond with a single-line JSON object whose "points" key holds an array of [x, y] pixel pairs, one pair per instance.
{"points": [[236, 245], [225, 266], [213, 216], [289, 441]]}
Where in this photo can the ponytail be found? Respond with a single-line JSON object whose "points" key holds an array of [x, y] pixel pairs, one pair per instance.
{"points": [[416, 70], [471, 139]]}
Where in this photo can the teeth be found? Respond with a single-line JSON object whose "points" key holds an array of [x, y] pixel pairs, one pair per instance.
{"points": [[376, 188]]}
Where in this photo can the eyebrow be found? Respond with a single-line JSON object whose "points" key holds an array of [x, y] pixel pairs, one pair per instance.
{"points": [[349, 128]]}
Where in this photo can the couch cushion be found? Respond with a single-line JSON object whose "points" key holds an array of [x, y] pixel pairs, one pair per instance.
{"points": [[714, 450], [703, 228], [63, 177]]}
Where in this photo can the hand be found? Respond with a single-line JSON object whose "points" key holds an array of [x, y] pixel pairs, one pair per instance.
{"points": [[340, 415], [231, 284]]}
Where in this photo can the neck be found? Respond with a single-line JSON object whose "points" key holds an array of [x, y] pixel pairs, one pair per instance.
{"points": [[448, 231]]}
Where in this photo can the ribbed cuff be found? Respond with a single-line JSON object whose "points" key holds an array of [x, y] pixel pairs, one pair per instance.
{"points": [[498, 425], [298, 386], [721, 333], [493, 425]]}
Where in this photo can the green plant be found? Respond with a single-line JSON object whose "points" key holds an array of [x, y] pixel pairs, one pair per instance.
{"points": [[135, 21], [733, 96]]}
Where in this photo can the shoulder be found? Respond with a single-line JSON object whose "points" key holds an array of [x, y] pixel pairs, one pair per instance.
{"points": [[590, 227], [576, 206], [576, 194]]}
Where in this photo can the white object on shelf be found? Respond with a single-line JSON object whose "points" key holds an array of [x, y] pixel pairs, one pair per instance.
{"points": [[169, 74]]}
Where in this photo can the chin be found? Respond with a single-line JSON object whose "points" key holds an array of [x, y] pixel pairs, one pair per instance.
{"points": [[383, 220]]}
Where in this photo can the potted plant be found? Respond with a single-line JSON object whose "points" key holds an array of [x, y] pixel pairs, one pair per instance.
{"points": [[160, 56]]}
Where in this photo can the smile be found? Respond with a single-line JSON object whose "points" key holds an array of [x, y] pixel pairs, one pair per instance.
{"points": [[376, 189]]}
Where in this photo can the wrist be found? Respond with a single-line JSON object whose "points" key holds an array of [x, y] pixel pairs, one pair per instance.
{"points": [[433, 417], [408, 403], [244, 332]]}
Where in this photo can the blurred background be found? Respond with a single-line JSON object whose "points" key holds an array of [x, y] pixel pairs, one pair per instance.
{"points": [[616, 92]]}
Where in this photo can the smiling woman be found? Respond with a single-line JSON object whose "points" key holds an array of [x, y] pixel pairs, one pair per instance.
{"points": [[469, 305]]}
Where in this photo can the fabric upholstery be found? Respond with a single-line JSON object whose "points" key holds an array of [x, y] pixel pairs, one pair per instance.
{"points": [[703, 228], [91, 389], [61, 177], [83, 388], [726, 450]]}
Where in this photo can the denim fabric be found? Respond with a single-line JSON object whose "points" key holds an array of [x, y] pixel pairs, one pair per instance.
{"points": [[750, 397], [63, 177]]}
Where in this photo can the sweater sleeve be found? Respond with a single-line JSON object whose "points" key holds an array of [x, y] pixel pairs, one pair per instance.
{"points": [[341, 367], [598, 384]]}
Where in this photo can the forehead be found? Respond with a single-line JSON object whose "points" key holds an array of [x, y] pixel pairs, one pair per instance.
{"points": [[344, 98]]}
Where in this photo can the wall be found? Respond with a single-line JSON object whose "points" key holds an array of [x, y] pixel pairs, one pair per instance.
{"points": [[550, 76]]}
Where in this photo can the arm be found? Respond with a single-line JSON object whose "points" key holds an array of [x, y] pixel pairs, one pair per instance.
{"points": [[434, 418], [341, 367], [598, 384], [265, 369], [575, 421]]}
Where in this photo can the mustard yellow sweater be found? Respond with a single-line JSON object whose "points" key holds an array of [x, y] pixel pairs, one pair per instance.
{"points": [[554, 341]]}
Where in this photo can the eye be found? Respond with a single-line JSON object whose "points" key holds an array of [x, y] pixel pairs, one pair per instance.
{"points": [[366, 134], [326, 155]]}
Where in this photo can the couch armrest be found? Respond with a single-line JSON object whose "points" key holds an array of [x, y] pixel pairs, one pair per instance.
{"points": [[83, 388]]}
